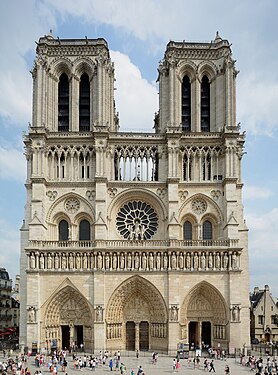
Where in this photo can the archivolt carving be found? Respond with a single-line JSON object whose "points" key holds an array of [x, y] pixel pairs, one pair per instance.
{"points": [[67, 307], [131, 294], [204, 300]]}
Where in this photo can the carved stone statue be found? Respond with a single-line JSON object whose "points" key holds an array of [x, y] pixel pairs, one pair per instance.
{"points": [[144, 261], [56, 261], [151, 261], [32, 261], [196, 261], [235, 313], [174, 313], [114, 261], [64, 262], [71, 262], [49, 261], [107, 261], [234, 261], [210, 261], [129, 261], [158, 261], [122, 261], [99, 314], [225, 261], [174, 261], [165, 261], [78, 261], [31, 315], [203, 261], [136, 261], [85, 261], [217, 261], [99, 261], [42, 262], [188, 261], [181, 261]]}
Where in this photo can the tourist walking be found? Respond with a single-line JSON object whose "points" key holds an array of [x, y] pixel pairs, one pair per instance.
{"points": [[211, 366]]}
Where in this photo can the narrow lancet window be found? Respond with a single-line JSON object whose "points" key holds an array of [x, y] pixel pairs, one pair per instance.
{"points": [[186, 104], [205, 105], [187, 230], [63, 230], [84, 231], [63, 104], [84, 103], [207, 230]]}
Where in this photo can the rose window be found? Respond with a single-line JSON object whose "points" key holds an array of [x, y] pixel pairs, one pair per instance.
{"points": [[72, 205], [137, 220], [199, 206]]}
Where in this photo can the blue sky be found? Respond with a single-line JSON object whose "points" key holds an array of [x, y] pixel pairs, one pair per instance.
{"points": [[137, 32]]}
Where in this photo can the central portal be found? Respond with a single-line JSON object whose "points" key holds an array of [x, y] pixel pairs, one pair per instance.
{"points": [[137, 336]]}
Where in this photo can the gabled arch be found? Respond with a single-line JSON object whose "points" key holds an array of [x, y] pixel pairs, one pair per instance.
{"points": [[187, 68], [84, 65], [207, 68], [129, 289], [60, 66], [204, 300], [215, 212]]}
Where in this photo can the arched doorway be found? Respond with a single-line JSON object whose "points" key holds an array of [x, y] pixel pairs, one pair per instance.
{"points": [[68, 321], [204, 317], [136, 317]]}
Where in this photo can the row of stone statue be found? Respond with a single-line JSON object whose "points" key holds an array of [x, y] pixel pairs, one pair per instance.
{"points": [[135, 261]]}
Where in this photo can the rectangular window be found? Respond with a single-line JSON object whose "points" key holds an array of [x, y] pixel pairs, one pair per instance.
{"points": [[260, 319], [274, 319]]}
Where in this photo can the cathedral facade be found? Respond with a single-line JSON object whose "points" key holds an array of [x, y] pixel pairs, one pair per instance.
{"points": [[134, 240]]}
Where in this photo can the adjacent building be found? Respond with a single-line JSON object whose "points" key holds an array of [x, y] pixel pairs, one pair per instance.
{"points": [[264, 316], [134, 240]]}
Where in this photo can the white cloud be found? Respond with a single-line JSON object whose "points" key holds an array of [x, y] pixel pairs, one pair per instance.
{"points": [[263, 249], [136, 98], [257, 105], [12, 164], [256, 192], [9, 245]]}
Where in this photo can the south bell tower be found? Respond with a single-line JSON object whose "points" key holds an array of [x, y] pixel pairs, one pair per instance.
{"points": [[133, 240]]}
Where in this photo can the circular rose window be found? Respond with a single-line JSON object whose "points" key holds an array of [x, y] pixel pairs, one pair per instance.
{"points": [[137, 220]]}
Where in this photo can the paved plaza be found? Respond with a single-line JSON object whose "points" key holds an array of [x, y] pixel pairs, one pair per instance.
{"points": [[163, 366]]}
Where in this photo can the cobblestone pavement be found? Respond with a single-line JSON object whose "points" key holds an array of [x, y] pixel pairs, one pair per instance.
{"points": [[163, 366]]}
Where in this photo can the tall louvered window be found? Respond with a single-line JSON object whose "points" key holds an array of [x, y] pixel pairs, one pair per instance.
{"points": [[63, 103], [205, 105], [84, 103], [186, 104]]}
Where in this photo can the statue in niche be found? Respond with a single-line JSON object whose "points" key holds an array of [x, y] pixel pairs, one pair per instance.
{"points": [[203, 261], [188, 261], [64, 262], [129, 261], [42, 262], [71, 261], [107, 261], [136, 261], [78, 261], [92, 261], [131, 233], [158, 261], [210, 261], [234, 261], [85, 261], [31, 315], [49, 261], [225, 261], [122, 261], [151, 261], [99, 261], [181, 264], [217, 261], [114, 261], [174, 261], [165, 261], [144, 261], [196, 261], [56, 261], [235, 313], [99, 314], [174, 313], [32, 261]]}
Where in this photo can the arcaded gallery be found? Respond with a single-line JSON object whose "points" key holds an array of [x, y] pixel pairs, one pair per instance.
{"points": [[131, 240]]}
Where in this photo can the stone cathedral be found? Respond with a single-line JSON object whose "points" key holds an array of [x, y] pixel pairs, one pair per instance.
{"points": [[134, 240]]}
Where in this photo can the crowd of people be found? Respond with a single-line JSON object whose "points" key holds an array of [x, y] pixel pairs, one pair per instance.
{"points": [[260, 366]]}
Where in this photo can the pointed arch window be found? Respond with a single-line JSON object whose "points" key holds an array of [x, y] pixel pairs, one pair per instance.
{"points": [[187, 230], [84, 103], [63, 230], [187, 168], [84, 231], [207, 230], [63, 103], [186, 104], [205, 105]]}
